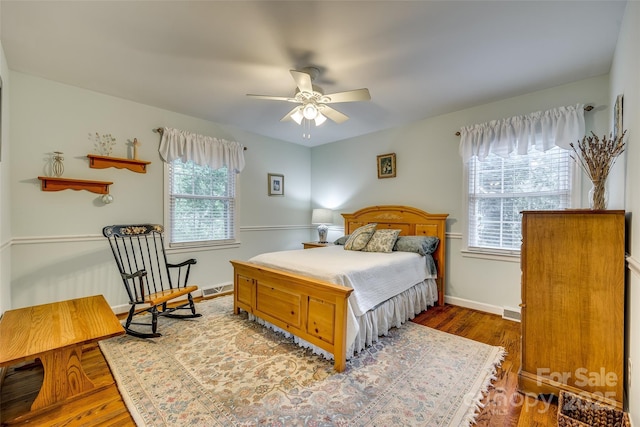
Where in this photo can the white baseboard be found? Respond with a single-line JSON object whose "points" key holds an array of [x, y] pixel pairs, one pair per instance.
{"points": [[461, 302], [224, 287], [120, 309], [480, 306], [215, 290]]}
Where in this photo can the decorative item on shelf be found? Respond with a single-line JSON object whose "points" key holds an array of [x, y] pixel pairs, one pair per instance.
{"points": [[322, 217], [57, 167], [135, 144], [596, 158], [103, 144], [106, 198]]}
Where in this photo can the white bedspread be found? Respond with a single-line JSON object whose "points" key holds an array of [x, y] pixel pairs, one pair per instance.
{"points": [[375, 277]]}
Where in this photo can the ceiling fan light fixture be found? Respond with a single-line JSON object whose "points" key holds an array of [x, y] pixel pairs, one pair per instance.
{"points": [[310, 111], [297, 116], [320, 119], [313, 103]]}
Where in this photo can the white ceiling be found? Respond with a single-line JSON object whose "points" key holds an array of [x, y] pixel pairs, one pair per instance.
{"points": [[418, 58]]}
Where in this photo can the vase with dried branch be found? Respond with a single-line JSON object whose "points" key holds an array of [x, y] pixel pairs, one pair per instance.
{"points": [[596, 158]]}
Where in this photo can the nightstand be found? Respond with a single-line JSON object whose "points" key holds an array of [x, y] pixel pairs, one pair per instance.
{"points": [[311, 245]]}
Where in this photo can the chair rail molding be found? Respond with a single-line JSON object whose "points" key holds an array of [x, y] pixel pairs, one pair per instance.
{"points": [[634, 265], [57, 239]]}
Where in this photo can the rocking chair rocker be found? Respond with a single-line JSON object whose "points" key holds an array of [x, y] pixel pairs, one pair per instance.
{"points": [[148, 278]]}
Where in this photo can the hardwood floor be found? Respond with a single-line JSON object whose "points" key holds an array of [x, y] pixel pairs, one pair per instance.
{"points": [[503, 405]]}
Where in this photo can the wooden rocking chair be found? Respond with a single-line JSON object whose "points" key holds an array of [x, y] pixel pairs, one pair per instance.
{"points": [[148, 278]]}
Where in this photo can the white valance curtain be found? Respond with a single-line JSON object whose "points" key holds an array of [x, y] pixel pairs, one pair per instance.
{"points": [[541, 130], [202, 150]]}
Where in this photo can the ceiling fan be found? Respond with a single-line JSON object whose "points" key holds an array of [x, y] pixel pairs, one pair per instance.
{"points": [[313, 102]]}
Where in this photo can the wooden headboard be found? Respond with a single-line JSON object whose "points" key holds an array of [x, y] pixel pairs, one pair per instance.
{"points": [[411, 222]]}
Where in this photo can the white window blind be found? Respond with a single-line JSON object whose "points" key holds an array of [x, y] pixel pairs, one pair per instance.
{"points": [[500, 188], [201, 204]]}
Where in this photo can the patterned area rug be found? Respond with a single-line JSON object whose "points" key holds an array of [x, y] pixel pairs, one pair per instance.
{"points": [[223, 370]]}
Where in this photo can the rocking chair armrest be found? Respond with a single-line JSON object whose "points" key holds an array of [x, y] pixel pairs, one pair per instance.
{"points": [[139, 294], [182, 264], [139, 273]]}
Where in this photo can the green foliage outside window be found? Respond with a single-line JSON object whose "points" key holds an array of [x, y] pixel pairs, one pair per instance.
{"points": [[202, 203]]}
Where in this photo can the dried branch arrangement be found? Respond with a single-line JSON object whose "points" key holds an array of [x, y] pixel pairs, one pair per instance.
{"points": [[103, 144], [596, 157]]}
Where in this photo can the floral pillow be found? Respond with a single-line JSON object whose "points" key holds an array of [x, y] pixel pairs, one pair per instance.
{"points": [[382, 241], [360, 237]]}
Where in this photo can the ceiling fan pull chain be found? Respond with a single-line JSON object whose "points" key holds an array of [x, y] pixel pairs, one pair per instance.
{"points": [[306, 127]]}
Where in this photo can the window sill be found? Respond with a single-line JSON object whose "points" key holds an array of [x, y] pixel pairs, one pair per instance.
{"points": [[201, 248], [495, 256]]}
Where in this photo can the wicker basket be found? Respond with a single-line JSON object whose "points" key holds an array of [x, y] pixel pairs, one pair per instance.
{"points": [[577, 411]]}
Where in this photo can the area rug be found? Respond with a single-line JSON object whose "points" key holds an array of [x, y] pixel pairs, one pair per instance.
{"points": [[223, 370]]}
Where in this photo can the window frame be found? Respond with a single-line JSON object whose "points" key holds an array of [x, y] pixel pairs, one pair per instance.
{"points": [[511, 255], [199, 244]]}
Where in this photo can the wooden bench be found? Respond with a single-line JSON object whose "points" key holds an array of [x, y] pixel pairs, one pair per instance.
{"points": [[55, 334]]}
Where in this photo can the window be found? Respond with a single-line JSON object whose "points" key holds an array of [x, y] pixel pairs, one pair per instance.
{"points": [[500, 188], [201, 204]]}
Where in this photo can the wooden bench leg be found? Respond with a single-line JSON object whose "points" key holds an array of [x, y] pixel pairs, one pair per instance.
{"points": [[63, 377]]}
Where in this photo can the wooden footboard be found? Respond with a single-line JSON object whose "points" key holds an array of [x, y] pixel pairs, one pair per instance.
{"points": [[311, 309]]}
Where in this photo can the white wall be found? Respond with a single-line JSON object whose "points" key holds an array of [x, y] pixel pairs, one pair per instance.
{"points": [[430, 177], [625, 80], [57, 251], [5, 190]]}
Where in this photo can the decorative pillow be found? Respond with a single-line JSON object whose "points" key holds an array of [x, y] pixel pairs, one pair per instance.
{"points": [[341, 240], [360, 237], [422, 245], [382, 241]]}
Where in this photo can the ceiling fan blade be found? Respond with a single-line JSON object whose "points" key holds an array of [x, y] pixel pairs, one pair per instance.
{"points": [[273, 98], [303, 81], [334, 115], [348, 96]]}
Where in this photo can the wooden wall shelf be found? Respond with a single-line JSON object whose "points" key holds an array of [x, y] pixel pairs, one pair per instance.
{"points": [[58, 184], [103, 162]]}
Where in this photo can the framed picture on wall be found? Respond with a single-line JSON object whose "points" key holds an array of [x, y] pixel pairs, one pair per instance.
{"points": [[387, 165], [617, 117], [276, 184]]}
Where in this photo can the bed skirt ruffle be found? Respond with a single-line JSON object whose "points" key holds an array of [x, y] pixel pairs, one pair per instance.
{"points": [[377, 321]]}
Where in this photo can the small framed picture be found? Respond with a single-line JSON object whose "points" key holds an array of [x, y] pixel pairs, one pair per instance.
{"points": [[276, 184], [387, 165], [617, 117]]}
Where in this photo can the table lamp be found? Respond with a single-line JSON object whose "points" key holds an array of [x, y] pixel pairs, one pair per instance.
{"points": [[322, 217]]}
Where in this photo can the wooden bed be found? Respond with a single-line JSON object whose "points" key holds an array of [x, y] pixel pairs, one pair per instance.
{"points": [[316, 310]]}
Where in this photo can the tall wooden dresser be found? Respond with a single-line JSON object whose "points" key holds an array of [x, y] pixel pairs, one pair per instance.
{"points": [[573, 301]]}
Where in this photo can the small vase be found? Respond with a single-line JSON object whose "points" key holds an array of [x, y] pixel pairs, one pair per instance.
{"points": [[58, 166], [598, 195]]}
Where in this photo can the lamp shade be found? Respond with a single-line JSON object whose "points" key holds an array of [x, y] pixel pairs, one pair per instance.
{"points": [[322, 216], [320, 119], [298, 116]]}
